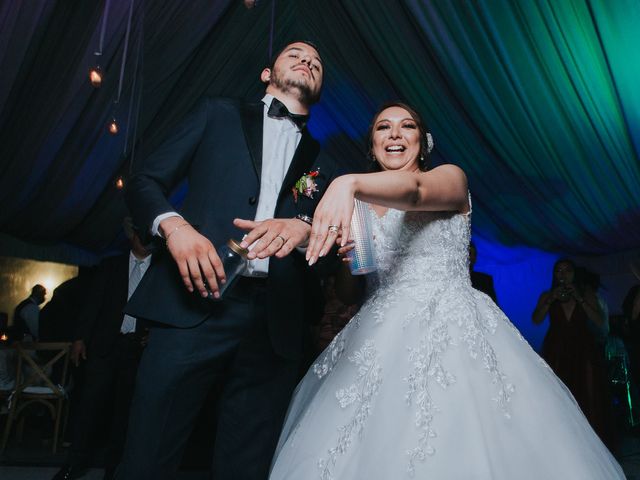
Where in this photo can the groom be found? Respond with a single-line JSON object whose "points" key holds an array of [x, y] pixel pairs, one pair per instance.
{"points": [[242, 161]]}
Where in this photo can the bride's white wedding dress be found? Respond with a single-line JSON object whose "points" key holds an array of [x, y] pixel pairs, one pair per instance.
{"points": [[430, 380]]}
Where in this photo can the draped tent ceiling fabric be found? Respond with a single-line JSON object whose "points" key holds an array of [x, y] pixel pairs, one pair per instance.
{"points": [[537, 100]]}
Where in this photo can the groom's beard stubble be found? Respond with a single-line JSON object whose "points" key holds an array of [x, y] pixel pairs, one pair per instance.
{"points": [[300, 87]]}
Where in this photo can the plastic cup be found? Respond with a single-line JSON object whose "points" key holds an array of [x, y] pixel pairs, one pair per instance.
{"points": [[362, 256]]}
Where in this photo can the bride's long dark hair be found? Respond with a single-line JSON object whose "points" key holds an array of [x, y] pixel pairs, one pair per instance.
{"points": [[423, 161]]}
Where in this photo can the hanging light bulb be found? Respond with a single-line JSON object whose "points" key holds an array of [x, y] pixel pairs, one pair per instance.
{"points": [[113, 127], [120, 183], [95, 76]]}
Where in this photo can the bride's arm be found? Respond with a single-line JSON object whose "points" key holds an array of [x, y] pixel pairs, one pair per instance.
{"points": [[442, 189]]}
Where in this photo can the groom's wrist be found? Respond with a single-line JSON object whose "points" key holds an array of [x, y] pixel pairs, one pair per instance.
{"points": [[306, 221], [304, 218]]}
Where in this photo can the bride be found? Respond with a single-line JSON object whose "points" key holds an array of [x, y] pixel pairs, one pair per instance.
{"points": [[430, 379]]}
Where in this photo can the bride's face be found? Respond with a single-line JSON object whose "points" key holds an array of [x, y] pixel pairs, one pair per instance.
{"points": [[396, 140]]}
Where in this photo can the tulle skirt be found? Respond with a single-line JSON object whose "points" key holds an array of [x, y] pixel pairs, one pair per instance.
{"points": [[435, 384]]}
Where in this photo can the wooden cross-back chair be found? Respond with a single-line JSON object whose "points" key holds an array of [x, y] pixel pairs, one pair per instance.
{"points": [[35, 385]]}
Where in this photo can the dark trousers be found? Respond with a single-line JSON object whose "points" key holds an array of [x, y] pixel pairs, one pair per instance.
{"points": [[178, 368], [108, 378]]}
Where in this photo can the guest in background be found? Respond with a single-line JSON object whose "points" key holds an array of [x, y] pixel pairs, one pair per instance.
{"points": [[623, 389], [7, 368], [631, 312], [112, 344], [58, 318], [631, 306], [590, 281], [480, 281], [26, 317], [570, 347]]}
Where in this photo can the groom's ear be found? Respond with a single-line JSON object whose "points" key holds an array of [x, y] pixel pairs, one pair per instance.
{"points": [[265, 76]]}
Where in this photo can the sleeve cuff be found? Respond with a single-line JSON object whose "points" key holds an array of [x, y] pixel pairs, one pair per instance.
{"points": [[156, 223]]}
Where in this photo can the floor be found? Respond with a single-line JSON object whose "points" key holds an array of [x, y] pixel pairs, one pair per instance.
{"points": [[33, 460], [46, 473], [629, 457]]}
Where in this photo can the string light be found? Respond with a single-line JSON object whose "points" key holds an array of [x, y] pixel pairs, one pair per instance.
{"points": [[120, 183], [95, 72], [95, 76], [113, 127]]}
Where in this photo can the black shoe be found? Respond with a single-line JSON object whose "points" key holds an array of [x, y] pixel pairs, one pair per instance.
{"points": [[69, 472]]}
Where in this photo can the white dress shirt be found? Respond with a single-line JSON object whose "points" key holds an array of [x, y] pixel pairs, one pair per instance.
{"points": [[137, 268], [30, 313], [280, 139]]}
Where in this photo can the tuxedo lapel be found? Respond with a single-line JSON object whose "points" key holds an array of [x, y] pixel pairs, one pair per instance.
{"points": [[302, 160], [252, 119]]}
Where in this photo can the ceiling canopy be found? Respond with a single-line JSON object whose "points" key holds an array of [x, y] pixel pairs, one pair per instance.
{"points": [[537, 100]]}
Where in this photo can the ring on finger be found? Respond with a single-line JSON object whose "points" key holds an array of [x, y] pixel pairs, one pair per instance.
{"points": [[284, 240], [333, 228]]}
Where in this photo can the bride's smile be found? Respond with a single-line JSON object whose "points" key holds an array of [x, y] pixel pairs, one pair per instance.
{"points": [[396, 140]]}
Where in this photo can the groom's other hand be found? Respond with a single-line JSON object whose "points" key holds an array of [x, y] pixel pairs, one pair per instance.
{"points": [[274, 237], [196, 257]]}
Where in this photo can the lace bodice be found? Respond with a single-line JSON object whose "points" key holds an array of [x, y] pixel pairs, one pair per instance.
{"points": [[421, 247]]}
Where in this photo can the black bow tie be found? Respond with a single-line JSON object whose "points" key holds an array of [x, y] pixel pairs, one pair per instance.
{"points": [[278, 109]]}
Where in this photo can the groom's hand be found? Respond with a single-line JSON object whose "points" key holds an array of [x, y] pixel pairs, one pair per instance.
{"points": [[276, 236], [195, 255]]}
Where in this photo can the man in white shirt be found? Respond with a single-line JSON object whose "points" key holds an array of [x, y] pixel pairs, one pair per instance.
{"points": [[26, 317], [111, 342], [242, 161]]}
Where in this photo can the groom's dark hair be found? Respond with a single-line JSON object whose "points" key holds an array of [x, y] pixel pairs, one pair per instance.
{"points": [[278, 52]]}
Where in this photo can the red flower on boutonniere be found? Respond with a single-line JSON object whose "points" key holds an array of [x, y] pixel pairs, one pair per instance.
{"points": [[306, 185]]}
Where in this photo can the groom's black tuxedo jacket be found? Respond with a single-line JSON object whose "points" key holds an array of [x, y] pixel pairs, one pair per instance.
{"points": [[218, 148]]}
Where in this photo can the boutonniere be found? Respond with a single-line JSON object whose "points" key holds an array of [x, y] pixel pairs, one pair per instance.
{"points": [[306, 185]]}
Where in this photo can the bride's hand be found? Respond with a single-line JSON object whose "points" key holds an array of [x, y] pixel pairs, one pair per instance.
{"points": [[332, 218]]}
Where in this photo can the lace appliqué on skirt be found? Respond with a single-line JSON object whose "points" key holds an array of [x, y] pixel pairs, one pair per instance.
{"points": [[360, 394]]}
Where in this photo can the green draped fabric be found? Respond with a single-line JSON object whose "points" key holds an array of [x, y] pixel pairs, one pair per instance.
{"points": [[523, 96]]}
